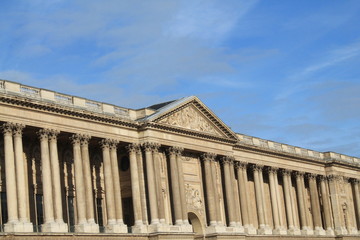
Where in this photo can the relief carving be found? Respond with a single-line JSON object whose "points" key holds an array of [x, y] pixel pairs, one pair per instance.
{"points": [[193, 199], [190, 118]]}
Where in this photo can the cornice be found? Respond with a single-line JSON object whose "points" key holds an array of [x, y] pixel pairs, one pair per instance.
{"points": [[51, 107]]}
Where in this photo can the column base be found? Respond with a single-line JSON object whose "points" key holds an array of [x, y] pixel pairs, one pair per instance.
{"points": [[116, 228], [215, 229], [279, 231], [235, 229], [17, 226], [330, 232], [87, 228], [352, 231], [139, 228], [307, 231], [341, 231], [264, 230], [250, 229], [294, 231], [54, 227], [319, 231]]}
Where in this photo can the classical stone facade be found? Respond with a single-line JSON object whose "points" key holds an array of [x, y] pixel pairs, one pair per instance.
{"points": [[75, 168]]}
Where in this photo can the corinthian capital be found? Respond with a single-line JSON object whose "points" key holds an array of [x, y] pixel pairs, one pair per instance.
{"points": [[228, 160], [176, 150], [241, 165], [43, 134], [208, 156], [105, 143], [52, 134], [75, 138], [18, 128], [132, 148], [7, 128], [257, 167], [286, 172]]}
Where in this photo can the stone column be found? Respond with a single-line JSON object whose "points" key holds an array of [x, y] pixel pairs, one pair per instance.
{"points": [[315, 205], [274, 200], [243, 193], [227, 161], [79, 184], [263, 229], [46, 180], [117, 188], [109, 186], [209, 188], [182, 189], [175, 186], [60, 226], [355, 183], [139, 227], [216, 192], [289, 213], [238, 219], [305, 230], [11, 192], [87, 182], [151, 183], [20, 173], [326, 205], [141, 177], [159, 190], [335, 190]]}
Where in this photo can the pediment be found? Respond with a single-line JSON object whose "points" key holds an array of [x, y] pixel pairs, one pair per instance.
{"points": [[192, 115], [191, 118]]}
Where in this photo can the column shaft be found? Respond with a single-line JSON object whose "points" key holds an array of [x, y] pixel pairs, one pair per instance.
{"points": [[46, 177], [109, 186], [326, 204], [229, 192], [55, 172], [355, 183], [79, 180], [157, 172], [182, 186], [87, 179], [241, 167], [139, 159], [314, 198], [258, 195], [300, 196], [175, 187], [209, 188], [135, 188], [116, 181], [20, 173], [151, 183], [288, 202], [274, 200], [11, 193], [216, 191]]}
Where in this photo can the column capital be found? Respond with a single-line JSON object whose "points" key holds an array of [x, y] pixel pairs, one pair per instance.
{"points": [[133, 147], [43, 134], [18, 128], [114, 143], [84, 139], [8, 128], [240, 164], [227, 160], [257, 167], [175, 150], [311, 176], [334, 178], [208, 157], [355, 180], [105, 143], [272, 170], [75, 138], [52, 134], [298, 174], [286, 172], [322, 177]]}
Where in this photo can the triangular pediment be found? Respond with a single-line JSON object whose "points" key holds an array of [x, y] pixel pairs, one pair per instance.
{"points": [[191, 114]]}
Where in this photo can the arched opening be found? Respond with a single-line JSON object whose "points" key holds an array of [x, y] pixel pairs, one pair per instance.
{"points": [[196, 223]]}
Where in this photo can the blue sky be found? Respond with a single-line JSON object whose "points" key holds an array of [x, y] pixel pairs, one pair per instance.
{"points": [[287, 71]]}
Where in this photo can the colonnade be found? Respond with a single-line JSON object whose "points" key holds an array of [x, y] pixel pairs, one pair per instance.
{"points": [[288, 199]]}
